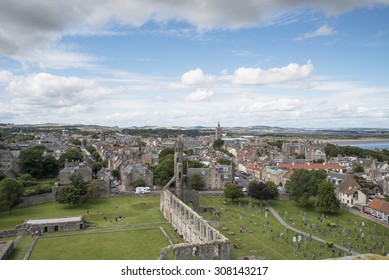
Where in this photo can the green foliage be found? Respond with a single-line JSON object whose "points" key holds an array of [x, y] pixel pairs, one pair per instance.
{"points": [[224, 161], [95, 154], [197, 181], [359, 168], [192, 164], [330, 244], [277, 143], [33, 162], [35, 190], [73, 154], [138, 183], [218, 144], [260, 190], [304, 183], [164, 171], [233, 191], [116, 174], [96, 167], [10, 194], [75, 192], [332, 150], [326, 198], [166, 151], [74, 141]]}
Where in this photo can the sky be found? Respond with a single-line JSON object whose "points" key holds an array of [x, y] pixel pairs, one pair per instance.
{"points": [[310, 64]]}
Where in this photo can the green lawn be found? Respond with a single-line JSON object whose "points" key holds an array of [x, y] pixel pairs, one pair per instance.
{"points": [[141, 244], [134, 210], [110, 239]]}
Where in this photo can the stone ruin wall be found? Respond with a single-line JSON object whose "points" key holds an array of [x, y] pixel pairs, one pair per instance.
{"points": [[203, 241]]}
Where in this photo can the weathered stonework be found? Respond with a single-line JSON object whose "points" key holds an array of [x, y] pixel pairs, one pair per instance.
{"points": [[203, 242]]}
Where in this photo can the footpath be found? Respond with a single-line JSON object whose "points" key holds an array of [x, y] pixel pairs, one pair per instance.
{"points": [[286, 225]]}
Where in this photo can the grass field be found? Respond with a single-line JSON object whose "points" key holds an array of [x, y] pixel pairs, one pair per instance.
{"points": [[138, 234], [138, 244]]}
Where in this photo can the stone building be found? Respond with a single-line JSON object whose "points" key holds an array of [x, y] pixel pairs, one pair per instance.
{"points": [[33, 226], [132, 172], [74, 167]]}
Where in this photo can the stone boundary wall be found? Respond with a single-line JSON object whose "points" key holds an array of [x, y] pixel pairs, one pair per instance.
{"points": [[205, 242], [9, 233], [36, 200], [363, 215], [6, 249]]}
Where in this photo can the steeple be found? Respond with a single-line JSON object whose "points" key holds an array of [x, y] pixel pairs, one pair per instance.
{"points": [[218, 132]]}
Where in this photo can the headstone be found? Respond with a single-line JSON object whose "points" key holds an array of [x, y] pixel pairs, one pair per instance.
{"points": [[294, 239]]}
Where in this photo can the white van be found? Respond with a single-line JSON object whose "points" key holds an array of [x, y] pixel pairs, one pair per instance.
{"points": [[142, 190]]}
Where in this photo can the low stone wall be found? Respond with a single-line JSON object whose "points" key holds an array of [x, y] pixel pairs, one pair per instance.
{"points": [[363, 215], [8, 233], [6, 249], [36, 200], [283, 196]]}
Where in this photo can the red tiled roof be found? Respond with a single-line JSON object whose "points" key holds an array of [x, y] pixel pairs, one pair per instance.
{"points": [[311, 166], [380, 205]]}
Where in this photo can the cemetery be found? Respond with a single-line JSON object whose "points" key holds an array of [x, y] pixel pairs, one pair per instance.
{"points": [[256, 233]]}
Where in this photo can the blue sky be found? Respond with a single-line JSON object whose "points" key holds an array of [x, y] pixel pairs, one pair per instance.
{"points": [[312, 64]]}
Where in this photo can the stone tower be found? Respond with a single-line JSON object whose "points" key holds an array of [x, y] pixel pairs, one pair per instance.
{"points": [[178, 166], [218, 132]]}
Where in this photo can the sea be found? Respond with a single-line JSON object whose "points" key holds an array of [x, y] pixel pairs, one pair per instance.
{"points": [[364, 144]]}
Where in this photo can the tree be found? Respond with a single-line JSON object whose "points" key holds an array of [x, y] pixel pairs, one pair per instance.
{"points": [[10, 194], [115, 174], [260, 190], [304, 183], [233, 191], [197, 181], [138, 183], [31, 161], [166, 151], [217, 144], [359, 168], [75, 192], [73, 154], [326, 198], [164, 171]]}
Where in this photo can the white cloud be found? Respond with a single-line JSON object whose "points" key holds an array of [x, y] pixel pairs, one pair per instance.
{"points": [[44, 93], [258, 76], [200, 95], [197, 78], [276, 105], [28, 27], [323, 30]]}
